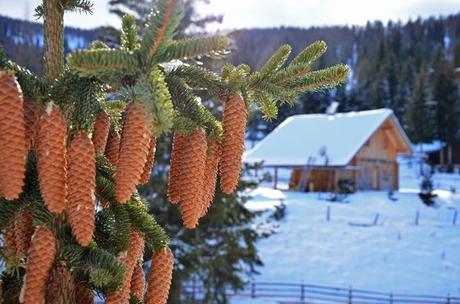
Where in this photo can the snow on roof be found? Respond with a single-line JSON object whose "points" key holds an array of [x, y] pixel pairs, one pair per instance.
{"points": [[431, 147], [299, 137]]}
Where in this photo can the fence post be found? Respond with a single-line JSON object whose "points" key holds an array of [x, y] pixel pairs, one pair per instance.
{"points": [[448, 299], [454, 220], [328, 213], [253, 290], [350, 296], [391, 298], [302, 292], [417, 217]]}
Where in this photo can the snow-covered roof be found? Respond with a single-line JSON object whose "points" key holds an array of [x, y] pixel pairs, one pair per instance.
{"points": [[302, 136], [431, 147]]}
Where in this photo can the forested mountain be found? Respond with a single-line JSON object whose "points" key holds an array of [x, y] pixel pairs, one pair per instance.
{"points": [[386, 60]]}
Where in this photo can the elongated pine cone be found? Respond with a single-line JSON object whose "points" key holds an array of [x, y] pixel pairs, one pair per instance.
{"points": [[39, 263], [192, 174], [51, 157], [23, 230], [82, 183], [12, 137], [134, 148], [149, 163], [175, 168], [101, 132], [32, 116], [234, 123], [9, 244], [84, 295], [129, 260], [210, 175], [138, 282], [160, 276], [112, 150]]}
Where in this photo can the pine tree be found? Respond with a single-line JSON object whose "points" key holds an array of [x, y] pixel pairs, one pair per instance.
{"points": [[69, 250], [419, 118]]}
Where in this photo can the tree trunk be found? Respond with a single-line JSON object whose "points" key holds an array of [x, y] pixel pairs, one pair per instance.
{"points": [[54, 38]]}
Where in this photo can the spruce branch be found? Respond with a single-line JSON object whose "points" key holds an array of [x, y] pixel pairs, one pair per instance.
{"points": [[310, 54], [103, 62], [200, 78], [275, 62], [161, 26], [192, 48], [321, 79], [129, 33]]}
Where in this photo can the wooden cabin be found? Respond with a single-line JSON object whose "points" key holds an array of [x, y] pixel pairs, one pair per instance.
{"points": [[324, 151]]}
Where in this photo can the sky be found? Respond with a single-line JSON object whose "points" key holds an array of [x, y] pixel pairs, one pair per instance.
{"points": [[268, 13]]}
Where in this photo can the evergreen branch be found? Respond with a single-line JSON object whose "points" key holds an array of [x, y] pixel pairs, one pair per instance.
{"points": [[103, 62], [236, 77], [192, 48], [154, 234], [160, 28], [200, 78], [190, 106], [154, 93], [275, 62], [310, 54], [7, 210], [129, 33], [122, 227], [321, 79], [267, 105], [97, 44], [77, 6], [105, 173]]}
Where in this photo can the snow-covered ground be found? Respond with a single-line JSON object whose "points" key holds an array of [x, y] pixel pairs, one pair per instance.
{"points": [[395, 255]]}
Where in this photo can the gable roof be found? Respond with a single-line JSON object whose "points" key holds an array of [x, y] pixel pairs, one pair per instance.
{"points": [[300, 136]]}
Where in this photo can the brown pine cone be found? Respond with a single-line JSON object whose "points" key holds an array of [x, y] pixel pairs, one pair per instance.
{"points": [[134, 148], [129, 260], [192, 173], [82, 183], [234, 123], [210, 175], [101, 132], [138, 282], [39, 263], [160, 276], [9, 244], [149, 163], [12, 137], [84, 295], [32, 116], [51, 158], [112, 149], [23, 230], [175, 168]]}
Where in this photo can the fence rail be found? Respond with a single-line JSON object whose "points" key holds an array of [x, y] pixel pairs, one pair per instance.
{"points": [[298, 293]]}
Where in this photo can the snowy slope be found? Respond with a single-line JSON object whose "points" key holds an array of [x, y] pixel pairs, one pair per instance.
{"points": [[393, 256]]}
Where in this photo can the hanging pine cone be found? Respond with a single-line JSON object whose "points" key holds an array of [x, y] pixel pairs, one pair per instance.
{"points": [[149, 163], [84, 295], [175, 168], [192, 170], [82, 183], [138, 282], [32, 116], [129, 261], [39, 263], [160, 276], [23, 230], [210, 175], [112, 149], [134, 148], [51, 158], [12, 137], [101, 132], [9, 244], [234, 123]]}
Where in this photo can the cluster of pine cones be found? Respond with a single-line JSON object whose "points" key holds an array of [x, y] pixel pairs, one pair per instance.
{"points": [[67, 180]]}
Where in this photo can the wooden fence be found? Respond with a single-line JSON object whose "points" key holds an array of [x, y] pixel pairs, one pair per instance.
{"points": [[298, 293]]}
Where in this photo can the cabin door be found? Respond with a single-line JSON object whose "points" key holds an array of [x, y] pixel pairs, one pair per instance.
{"points": [[376, 178]]}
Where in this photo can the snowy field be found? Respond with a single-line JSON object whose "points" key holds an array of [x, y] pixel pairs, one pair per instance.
{"points": [[394, 255]]}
